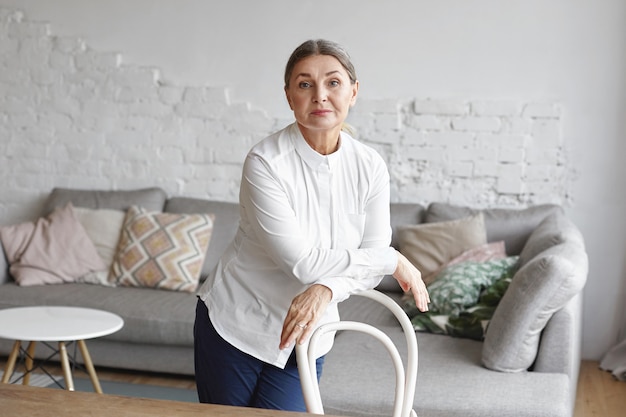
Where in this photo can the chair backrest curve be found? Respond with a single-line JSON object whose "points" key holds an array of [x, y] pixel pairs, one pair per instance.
{"points": [[405, 381]]}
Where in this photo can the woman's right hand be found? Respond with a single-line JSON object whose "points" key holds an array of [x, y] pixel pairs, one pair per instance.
{"points": [[410, 279], [304, 313]]}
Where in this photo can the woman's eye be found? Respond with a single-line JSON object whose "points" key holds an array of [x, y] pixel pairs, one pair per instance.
{"points": [[334, 83], [304, 84]]}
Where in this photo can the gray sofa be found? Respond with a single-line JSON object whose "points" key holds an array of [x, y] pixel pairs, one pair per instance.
{"points": [[456, 376]]}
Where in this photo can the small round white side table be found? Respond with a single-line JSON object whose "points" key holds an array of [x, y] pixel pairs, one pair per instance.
{"points": [[55, 324]]}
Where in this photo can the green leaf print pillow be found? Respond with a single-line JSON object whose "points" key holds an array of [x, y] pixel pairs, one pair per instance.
{"points": [[459, 286], [464, 297]]}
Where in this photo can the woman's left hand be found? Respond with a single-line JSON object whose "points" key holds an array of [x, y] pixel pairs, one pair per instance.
{"points": [[410, 279], [304, 313]]}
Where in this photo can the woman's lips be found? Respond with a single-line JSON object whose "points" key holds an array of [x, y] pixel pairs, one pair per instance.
{"points": [[320, 112]]}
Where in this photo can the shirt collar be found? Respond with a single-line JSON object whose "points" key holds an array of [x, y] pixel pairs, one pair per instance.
{"points": [[311, 157]]}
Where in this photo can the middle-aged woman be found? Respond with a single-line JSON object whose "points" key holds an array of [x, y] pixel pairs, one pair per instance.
{"points": [[314, 228]]}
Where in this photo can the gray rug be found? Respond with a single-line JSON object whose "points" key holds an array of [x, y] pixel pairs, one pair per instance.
{"points": [[36, 379], [135, 390]]}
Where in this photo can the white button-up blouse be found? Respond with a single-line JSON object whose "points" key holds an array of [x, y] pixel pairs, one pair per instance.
{"points": [[306, 219]]}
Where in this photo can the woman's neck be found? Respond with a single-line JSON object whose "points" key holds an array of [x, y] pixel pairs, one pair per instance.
{"points": [[323, 142]]}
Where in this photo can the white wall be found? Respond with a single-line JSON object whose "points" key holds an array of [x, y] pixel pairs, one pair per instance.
{"points": [[568, 52]]}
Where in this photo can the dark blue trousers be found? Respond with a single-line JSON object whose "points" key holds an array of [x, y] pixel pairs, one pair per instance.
{"points": [[226, 375]]}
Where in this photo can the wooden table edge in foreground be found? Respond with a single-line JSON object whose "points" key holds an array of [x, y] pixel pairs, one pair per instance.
{"points": [[23, 400]]}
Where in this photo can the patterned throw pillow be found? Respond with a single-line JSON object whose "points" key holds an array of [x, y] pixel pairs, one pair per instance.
{"points": [[161, 250], [459, 286], [464, 298]]}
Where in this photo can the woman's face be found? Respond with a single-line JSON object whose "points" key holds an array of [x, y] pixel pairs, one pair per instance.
{"points": [[320, 93]]}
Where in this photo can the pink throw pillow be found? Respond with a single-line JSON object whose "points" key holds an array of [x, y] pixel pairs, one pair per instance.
{"points": [[52, 250], [482, 253]]}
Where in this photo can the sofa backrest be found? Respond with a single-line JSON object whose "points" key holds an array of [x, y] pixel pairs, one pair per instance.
{"points": [[155, 199], [403, 214], [224, 226], [514, 226], [511, 225], [152, 199]]}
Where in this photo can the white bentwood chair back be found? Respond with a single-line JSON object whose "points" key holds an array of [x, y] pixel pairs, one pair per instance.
{"points": [[405, 381]]}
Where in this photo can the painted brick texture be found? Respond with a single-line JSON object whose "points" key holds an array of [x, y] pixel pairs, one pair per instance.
{"points": [[71, 116]]}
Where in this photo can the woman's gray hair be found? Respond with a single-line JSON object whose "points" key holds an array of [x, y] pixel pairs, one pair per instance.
{"points": [[320, 47]]}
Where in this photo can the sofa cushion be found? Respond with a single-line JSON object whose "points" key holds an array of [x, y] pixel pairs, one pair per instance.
{"points": [[103, 226], [52, 250], [152, 199], [459, 286], [464, 298], [401, 214], [4, 266], [357, 308], [471, 322], [161, 250], [150, 316], [553, 230], [482, 253], [514, 226], [540, 287], [429, 246], [224, 226], [450, 380]]}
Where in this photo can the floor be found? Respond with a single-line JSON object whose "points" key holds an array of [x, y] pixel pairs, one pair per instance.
{"points": [[599, 394]]}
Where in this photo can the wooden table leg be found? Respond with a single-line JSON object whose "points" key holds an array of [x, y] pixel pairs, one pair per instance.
{"points": [[10, 365], [89, 366], [65, 364], [28, 362]]}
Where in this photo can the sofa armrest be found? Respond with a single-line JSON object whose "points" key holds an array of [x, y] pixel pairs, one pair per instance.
{"points": [[4, 267], [559, 349], [560, 346]]}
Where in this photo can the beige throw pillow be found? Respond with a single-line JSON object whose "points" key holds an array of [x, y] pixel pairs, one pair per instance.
{"points": [[103, 226], [52, 250], [161, 250], [428, 246]]}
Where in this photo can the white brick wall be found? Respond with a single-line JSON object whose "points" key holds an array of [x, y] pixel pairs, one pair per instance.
{"points": [[72, 116], [475, 152]]}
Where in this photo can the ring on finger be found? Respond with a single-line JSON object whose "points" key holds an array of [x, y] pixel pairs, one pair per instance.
{"points": [[302, 326]]}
